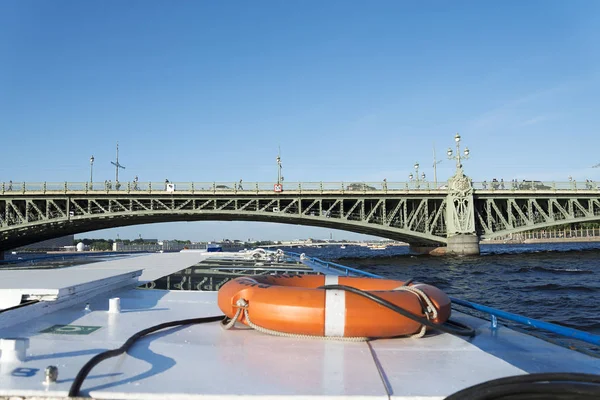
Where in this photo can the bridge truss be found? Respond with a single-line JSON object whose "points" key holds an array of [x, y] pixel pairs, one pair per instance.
{"points": [[415, 218], [419, 216], [503, 214]]}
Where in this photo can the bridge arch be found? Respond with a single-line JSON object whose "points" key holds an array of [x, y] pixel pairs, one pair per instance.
{"points": [[38, 219]]}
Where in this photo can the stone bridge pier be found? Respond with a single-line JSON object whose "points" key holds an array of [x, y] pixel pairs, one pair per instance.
{"points": [[458, 245], [463, 245], [462, 239]]}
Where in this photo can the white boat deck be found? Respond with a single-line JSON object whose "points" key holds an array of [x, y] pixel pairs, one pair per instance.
{"points": [[205, 361], [153, 266]]}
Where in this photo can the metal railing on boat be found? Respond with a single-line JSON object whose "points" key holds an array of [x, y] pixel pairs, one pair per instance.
{"points": [[328, 264], [534, 323], [494, 313]]}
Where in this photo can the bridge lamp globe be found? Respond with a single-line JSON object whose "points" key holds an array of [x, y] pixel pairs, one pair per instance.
{"points": [[449, 152], [467, 152], [423, 176], [457, 138], [410, 176]]}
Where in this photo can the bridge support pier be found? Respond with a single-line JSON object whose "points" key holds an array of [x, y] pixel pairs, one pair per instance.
{"points": [[462, 239], [463, 245], [458, 245], [430, 250]]}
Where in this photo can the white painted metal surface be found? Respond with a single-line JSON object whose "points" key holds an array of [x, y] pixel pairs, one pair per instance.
{"points": [[153, 265], [335, 309], [436, 365], [114, 305], [208, 362], [13, 349], [201, 359], [64, 297], [50, 284], [60, 288]]}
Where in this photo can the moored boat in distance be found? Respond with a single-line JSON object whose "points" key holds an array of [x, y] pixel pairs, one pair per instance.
{"points": [[377, 247]]}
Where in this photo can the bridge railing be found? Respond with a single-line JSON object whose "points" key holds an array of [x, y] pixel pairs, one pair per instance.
{"points": [[301, 187], [216, 187], [536, 185]]}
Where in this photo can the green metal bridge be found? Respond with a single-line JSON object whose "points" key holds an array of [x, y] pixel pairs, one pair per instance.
{"points": [[454, 215]]}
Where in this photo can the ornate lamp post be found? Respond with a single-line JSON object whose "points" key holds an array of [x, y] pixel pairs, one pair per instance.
{"points": [[416, 177], [91, 171], [457, 156], [460, 209]]}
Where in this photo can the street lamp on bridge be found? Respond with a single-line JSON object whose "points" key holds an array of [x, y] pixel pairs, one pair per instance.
{"points": [[91, 171], [416, 177], [117, 166], [457, 157], [279, 176]]}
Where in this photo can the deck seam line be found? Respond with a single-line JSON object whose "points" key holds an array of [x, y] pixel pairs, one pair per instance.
{"points": [[384, 380]]}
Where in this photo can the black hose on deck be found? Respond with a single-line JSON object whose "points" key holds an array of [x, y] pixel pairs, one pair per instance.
{"points": [[552, 386], [85, 370], [463, 330]]}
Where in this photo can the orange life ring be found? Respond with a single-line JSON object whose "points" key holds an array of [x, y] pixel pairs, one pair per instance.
{"points": [[293, 304]]}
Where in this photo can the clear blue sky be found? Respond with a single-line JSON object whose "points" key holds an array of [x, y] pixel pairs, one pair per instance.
{"points": [[352, 91]]}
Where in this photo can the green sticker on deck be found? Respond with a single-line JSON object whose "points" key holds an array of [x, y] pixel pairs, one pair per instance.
{"points": [[71, 329]]}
